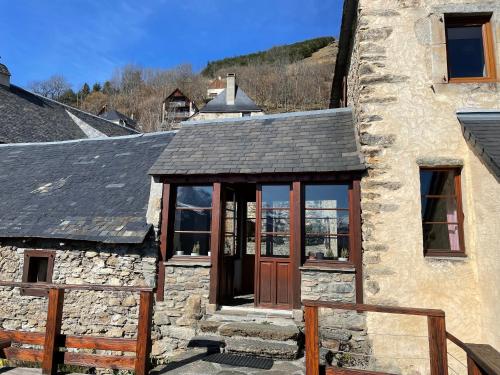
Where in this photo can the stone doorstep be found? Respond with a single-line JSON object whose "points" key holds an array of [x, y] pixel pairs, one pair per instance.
{"points": [[288, 350], [262, 331]]}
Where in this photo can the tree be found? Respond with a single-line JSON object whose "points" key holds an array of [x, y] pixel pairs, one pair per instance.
{"points": [[94, 102], [51, 88], [107, 89], [85, 91], [96, 87], [68, 97]]}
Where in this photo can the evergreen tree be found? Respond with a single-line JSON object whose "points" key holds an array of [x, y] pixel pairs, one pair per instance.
{"points": [[68, 97], [107, 89], [84, 91], [96, 87]]}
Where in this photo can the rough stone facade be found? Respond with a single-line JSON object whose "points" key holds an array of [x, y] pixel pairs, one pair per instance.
{"points": [[406, 117], [343, 334]]}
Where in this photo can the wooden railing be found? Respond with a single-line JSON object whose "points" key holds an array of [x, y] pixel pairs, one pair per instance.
{"points": [[481, 359], [435, 323], [50, 356]]}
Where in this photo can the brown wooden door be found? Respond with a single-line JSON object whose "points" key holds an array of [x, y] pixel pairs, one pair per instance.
{"points": [[273, 253]]}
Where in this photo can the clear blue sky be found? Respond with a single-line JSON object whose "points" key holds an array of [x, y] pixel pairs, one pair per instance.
{"points": [[85, 40]]}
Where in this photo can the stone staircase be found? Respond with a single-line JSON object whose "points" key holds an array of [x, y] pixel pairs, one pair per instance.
{"points": [[257, 332]]}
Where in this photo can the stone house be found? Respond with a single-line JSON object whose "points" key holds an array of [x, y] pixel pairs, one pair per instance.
{"points": [[176, 108], [29, 117], [117, 117], [422, 77], [231, 102], [215, 88]]}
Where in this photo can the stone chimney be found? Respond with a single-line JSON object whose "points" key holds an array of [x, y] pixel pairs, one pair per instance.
{"points": [[4, 76], [230, 88]]}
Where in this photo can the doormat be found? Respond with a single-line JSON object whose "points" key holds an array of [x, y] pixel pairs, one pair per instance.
{"points": [[240, 361]]}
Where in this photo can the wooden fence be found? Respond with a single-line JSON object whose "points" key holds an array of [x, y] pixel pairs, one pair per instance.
{"points": [[52, 339], [481, 359]]}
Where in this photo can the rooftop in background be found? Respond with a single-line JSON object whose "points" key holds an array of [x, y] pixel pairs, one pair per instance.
{"points": [[242, 103], [28, 117], [315, 141], [92, 189], [117, 117], [481, 129]]}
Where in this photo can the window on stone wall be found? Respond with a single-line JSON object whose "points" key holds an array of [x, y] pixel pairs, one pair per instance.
{"points": [[469, 48], [442, 218], [38, 268], [192, 222], [327, 219]]}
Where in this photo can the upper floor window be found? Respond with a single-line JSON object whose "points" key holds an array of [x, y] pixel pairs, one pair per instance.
{"points": [[442, 218], [193, 219], [469, 48]]}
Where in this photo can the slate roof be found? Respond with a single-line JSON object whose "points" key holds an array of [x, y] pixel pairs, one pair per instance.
{"points": [[114, 115], [28, 117], [92, 189], [242, 103], [315, 141], [482, 131]]}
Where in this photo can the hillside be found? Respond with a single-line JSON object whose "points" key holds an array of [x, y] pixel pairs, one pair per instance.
{"points": [[289, 53]]}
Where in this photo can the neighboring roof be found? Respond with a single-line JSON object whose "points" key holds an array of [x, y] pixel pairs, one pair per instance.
{"points": [[482, 131], [113, 115], [92, 189], [28, 117], [242, 103], [315, 141], [4, 70], [217, 84]]}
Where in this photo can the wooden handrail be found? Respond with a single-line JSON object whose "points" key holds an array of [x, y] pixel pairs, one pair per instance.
{"points": [[374, 308], [91, 287]]}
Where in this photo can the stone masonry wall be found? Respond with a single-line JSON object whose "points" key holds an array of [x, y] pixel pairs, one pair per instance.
{"points": [[342, 333], [186, 298], [406, 119]]}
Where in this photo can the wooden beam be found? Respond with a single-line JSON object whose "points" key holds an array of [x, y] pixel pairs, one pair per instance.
{"points": [[356, 238], [52, 331], [437, 345], [165, 220], [91, 287], [23, 354], [144, 333], [312, 340], [297, 213], [98, 343], [215, 238], [375, 308], [101, 361]]}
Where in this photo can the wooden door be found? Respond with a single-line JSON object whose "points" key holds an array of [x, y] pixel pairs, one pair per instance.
{"points": [[273, 253]]}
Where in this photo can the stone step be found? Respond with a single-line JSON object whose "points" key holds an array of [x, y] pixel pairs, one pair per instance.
{"points": [[262, 331], [288, 350]]}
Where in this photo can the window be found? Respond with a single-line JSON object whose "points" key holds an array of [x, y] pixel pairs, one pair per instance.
{"points": [[245, 114], [327, 218], [275, 221], [469, 47], [442, 217], [250, 228], [192, 222], [38, 268]]}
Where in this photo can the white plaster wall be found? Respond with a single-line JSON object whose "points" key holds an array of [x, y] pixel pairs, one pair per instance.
{"points": [[404, 116]]}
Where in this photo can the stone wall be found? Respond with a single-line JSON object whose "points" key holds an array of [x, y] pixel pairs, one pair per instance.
{"points": [[186, 299], [342, 333], [405, 119]]}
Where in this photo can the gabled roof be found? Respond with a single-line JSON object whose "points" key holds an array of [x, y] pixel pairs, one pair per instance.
{"points": [[242, 103], [217, 84], [114, 115], [481, 130], [315, 141], [28, 117], [92, 189]]}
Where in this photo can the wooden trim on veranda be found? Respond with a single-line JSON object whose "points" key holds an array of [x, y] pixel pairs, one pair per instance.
{"points": [[215, 243], [297, 214], [356, 238], [165, 217]]}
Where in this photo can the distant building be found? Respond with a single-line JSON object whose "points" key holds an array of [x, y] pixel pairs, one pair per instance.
{"points": [[216, 87], [117, 117], [231, 102], [26, 117], [177, 107]]}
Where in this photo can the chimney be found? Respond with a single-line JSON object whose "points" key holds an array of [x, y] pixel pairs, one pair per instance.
{"points": [[230, 88], [4, 76]]}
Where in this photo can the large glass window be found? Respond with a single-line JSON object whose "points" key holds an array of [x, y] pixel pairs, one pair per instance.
{"points": [[230, 223], [327, 234], [275, 221], [469, 48], [441, 214], [192, 222]]}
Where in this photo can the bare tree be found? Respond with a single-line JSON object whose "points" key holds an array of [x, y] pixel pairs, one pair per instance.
{"points": [[52, 88]]}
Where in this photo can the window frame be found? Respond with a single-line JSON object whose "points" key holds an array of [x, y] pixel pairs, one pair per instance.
{"points": [[457, 179], [332, 263], [38, 253], [488, 45]]}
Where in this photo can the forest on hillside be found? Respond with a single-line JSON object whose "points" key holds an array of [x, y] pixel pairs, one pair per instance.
{"points": [[282, 79]]}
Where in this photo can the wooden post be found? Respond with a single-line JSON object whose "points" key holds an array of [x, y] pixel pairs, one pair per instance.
{"points": [[52, 331], [165, 224], [437, 345], [472, 368], [312, 340], [297, 212], [144, 333], [215, 238]]}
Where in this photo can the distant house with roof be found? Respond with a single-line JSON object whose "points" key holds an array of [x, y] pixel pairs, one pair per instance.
{"points": [[231, 102], [176, 108], [29, 117], [117, 117], [215, 87]]}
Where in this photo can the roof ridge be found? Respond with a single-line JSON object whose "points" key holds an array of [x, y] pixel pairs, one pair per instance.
{"points": [[269, 116], [74, 108]]}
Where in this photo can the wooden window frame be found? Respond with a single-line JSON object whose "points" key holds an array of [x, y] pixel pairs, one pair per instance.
{"points": [[38, 253], [488, 46], [457, 179]]}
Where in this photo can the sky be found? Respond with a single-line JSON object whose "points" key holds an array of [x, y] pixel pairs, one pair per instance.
{"points": [[86, 40]]}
